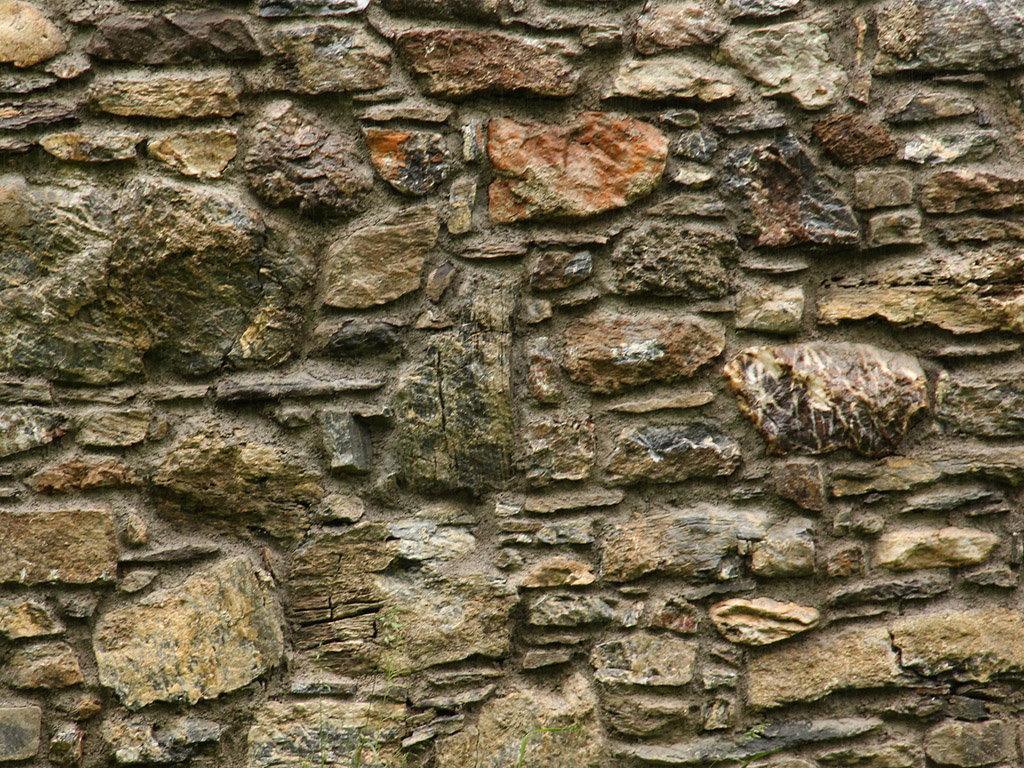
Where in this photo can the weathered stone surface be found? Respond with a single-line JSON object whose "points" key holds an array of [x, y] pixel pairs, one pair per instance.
{"points": [[802, 482], [672, 25], [786, 199], [27, 37], [274, 9], [568, 610], [595, 163], [882, 189], [478, 10], [46, 665], [413, 162], [204, 154], [929, 149], [968, 292], [557, 270], [111, 428], [955, 742], [82, 475], [790, 60], [889, 755], [297, 161], [173, 38], [1005, 465], [644, 659], [681, 401], [575, 499], [463, 62], [326, 58], [454, 409], [610, 353], [964, 190], [671, 454], [133, 742], [346, 442], [975, 645], [559, 448], [24, 427], [852, 139], [758, 8], [987, 406], [666, 261], [233, 481], [75, 546], [810, 670], [929, 35], [787, 550], [217, 631], [19, 732], [382, 262], [18, 115], [923, 107], [24, 617], [770, 308], [166, 96], [979, 229], [906, 550], [91, 148], [692, 543], [558, 572], [670, 78], [896, 228], [761, 621], [634, 713], [818, 397]]}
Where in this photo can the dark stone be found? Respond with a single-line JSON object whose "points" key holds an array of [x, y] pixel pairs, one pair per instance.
{"points": [[556, 270], [699, 146], [963, 190], [915, 587], [992, 406], [323, 58], [18, 115], [295, 161], [815, 398], [19, 732], [786, 199], [671, 454], [802, 482], [852, 139], [275, 9], [476, 10], [664, 260], [362, 338], [347, 442], [174, 38], [413, 162]]}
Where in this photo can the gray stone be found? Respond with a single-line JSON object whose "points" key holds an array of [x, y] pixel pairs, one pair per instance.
{"points": [[923, 107], [19, 732], [882, 189], [672, 25], [133, 742], [950, 148], [23, 428], [346, 442], [557, 610], [670, 78], [896, 228], [758, 8], [987, 406], [18, 115], [958, 743], [666, 261], [671, 454], [325, 58], [644, 659]]}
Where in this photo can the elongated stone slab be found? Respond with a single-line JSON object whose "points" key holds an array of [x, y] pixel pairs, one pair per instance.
{"points": [[672, 453], [975, 645], [70, 546], [761, 621], [949, 547]]}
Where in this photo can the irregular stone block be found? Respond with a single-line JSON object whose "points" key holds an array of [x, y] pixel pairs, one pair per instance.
{"points": [[761, 621], [166, 97], [644, 659], [801, 482], [555, 572], [985, 406], [325, 58], [669, 26], [818, 397], [787, 550], [557, 270], [597, 162], [24, 617], [94, 148], [950, 148], [173, 38], [73, 546], [976, 228], [110, 428], [19, 732], [610, 353], [671, 454], [274, 9], [758, 8], [27, 37], [23, 427], [923, 107], [413, 162], [346, 441], [906, 550], [479, 10], [133, 742], [975, 645], [48, 665], [852, 139], [555, 610], [666, 261], [464, 62], [668, 78], [559, 449], [217, 631], [897, 228], [964, 190], [970, 744], [82, 475], [770, 308], [19, 115], [882, 189], [204, 154]]}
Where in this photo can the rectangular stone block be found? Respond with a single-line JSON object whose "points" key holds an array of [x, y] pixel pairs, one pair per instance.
{"points": [[72, 546], [19, 732]]}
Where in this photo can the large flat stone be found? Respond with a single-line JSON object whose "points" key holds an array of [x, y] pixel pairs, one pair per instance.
{"points": [[166, 96], [670, 78], [19, 732], [761, 621], [27, 37], [974, 645], [665, 261], [949, 547], [325, 58], [671, 454], [173, 38], [645, 659], [970, 190], [70, 546]]}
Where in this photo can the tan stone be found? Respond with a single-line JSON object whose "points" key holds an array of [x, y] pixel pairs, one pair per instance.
{"points": [[217, 631], [72, 546], [113, 427], [958, 743], [80, 475], [668, 78], [644, 659], [91, 148], [673, 25], [167, 96], [204, 154], [49, 665], [23, 617], [810, 670], [761, 621], [948, 547], [976, 644], [27, 37], [559, 572]]}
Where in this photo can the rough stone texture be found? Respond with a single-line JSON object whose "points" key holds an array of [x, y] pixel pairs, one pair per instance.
{"points": [[882, 189], [853, 140], [905, 550], [671, 454], [413, 162], [668, 26], [975, 644], [27, 37], [204, 154], [23, 617], [770, 308], [970, 744], [23, 428], [275, 9], [669, 78], [19, 732], [326, 58], [664, 261], [559, 449], [950, 148], [74, 547], [167, 97], [761, 621], [595, 163], [217, 631], [815, 398], [787, 550], [644, 659], [47, 665], [173, 38], [986, 407], [99, 148], [82, 475]]}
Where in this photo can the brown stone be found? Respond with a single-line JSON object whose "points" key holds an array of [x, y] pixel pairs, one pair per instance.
{"points": [[173, 38], [24, 617], [965, 190], [82, 475], [560, 448], [761, 621], [671, 454], [557, 270], [114, 427], [558, 572], [325, 58], [594, 163], [166, 96], [462, 62], [907, 550], [27, 37], [979, 229], [18, 115], [817, 397], [801, 482], [957, 743], [666, 26], [48, 665], [852, 139], [413, 162], [786, 551], [770, 308], [74, 546], [610, 353], [974, 644], [204, 154]]}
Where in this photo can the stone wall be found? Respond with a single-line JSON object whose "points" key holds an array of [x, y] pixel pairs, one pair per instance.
{"points": [[511, 383]]}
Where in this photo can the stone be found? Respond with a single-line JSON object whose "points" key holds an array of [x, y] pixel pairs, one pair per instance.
{"points": [[275, 9], [882, 189], [890, 755], [82, 475], [801, 482], [969, 291], [113, 428], [770, 308], [202, 154], [465, 62], [759, 9], [693, 177], [903, 474], [557, 610], [852, 139], [937, 35], [478, 10], [46, 665], [818, 397], [644, 659], [24, 427], [19, 115], [27, 37], [923, 107], [974, 645], [166, 97], [674, 614], [955, 742], [699, 146], [560, 448], [980, 406], [25, 617], [670, 402], [282, 387], [966, 190], [576, 499], [595, 163], [296, 161], [673, 25], [19, 732], [325, 58], [382, 262], [461, 198], [356, 338], [692, 543], [413, 162], [976, 228], [91, 148], [173, 38], [609, 353], [539, 658], [789, 60], [216, 632], [133, 742], [666, 261], [827, 662], [785, 197], [895, 228], [787, 550], [547, 726], [453, 408], [669, 78], [633, 713], [930, 149], [761, 621], [558, 270], [69, 546], [909, 549], [346, 442], [671, 454], [558, 572]]}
